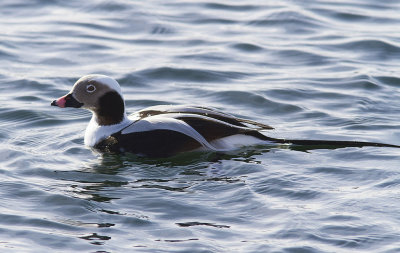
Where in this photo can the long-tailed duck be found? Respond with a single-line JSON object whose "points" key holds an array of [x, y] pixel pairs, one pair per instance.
{"points": [[165, 130]]}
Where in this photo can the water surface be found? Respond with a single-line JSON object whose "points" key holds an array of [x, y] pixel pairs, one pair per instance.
{"points": [[312, 69]]}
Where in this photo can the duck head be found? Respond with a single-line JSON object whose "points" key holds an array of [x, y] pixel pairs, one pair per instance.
{"points": [[98, 93]]}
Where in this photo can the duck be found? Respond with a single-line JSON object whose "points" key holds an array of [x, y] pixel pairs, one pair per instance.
{"points": [[166, 130]]}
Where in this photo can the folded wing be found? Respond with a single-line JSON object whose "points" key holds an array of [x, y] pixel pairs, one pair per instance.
{"points": [[204, 111]]}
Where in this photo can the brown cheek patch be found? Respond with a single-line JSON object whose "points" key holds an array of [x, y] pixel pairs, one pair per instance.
{"points": [[110, 108]]}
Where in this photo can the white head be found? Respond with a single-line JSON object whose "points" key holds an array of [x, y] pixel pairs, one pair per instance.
{"points": [[100, 94]]}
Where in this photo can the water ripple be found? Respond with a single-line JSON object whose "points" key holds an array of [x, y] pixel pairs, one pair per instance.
{"points": [[372, 49], [194, 75], [247, 47], [231, 7], [325, 69]]}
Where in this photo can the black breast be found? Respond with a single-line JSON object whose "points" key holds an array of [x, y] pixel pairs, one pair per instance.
{"points": [[156, 143]]}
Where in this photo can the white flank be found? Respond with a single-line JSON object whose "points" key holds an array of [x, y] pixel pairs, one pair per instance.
{"points": [[237, 141]]}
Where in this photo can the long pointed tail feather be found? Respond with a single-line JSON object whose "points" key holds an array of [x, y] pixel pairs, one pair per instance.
{"points": [[332, 144]]}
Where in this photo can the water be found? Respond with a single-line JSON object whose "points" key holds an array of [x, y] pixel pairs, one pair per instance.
{"points": [[312, 69]]}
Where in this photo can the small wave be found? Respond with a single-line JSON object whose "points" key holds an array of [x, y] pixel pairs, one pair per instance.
{"points": [[38, 118], [290, 21], [231, 7], [306, 94], [370, 49], [346, 16], [247, 47], [192, 75], [107, 6], [133, 80], [53, 61], [374, 45], [300, 57], [20, 116], [389, 183], [4, 54], [366, 14], [256, 102], [27, 98], [284, 187], [389, 80], [206, 57], [224, 21]]}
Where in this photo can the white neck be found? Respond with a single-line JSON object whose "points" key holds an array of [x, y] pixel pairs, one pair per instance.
{"points": [[95, 133]]}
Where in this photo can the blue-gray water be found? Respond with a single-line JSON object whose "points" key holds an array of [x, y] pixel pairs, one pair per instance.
{"points": [[312, 69]]}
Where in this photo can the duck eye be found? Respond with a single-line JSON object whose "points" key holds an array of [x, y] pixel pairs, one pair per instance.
{"points": [[90, 88]]}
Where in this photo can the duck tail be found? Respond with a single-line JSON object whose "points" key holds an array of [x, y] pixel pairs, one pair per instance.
{"points": [[329, 143]]}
